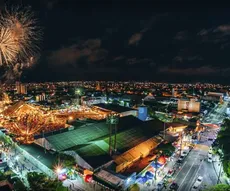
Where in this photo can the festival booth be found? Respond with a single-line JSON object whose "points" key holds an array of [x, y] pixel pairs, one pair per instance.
{"points": [[154, 168]]}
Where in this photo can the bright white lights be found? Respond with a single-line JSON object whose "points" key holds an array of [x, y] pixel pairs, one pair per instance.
{"points": [[58, 170]]}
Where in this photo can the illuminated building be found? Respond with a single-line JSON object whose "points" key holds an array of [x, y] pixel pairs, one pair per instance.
{"points": [[92, 100], [21, 88], [98, 86], [142, 113], [122, 111], [41, 97], [174, 92], [214, 96], [188, 105]]}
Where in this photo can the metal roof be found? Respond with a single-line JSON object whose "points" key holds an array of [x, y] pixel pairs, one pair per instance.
{"points": [[80, 136]]}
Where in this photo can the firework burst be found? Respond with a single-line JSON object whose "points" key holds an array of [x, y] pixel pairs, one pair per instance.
{"points": [[23, 34], [8, 47]]}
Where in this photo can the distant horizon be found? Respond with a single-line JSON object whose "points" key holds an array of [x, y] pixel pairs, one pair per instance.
{"points": [[129, 81]]}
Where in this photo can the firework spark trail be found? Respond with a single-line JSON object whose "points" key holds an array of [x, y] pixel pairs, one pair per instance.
{"points": [[8, 47], [22, 32]]}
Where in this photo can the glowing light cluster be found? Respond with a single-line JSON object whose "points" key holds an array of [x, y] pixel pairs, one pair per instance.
{"points": [[28, 121]]}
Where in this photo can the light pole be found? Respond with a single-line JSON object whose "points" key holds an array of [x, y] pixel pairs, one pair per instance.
{"points": [[181, 142], [78, 93], [112, 121]]}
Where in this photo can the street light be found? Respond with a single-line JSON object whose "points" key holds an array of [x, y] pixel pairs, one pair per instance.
{"points": [[58, 170], [78, 93]]}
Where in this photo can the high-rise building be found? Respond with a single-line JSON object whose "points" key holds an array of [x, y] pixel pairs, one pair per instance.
{"points": [[188, 105], [142, 112], [174, 92], [21, 88], [98, 86], [41, 97], [18, 87]]}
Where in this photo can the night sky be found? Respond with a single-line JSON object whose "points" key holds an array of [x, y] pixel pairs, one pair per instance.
{"points": [[131, 40]]}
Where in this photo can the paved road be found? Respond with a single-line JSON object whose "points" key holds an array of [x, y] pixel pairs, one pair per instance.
{"points": [[216, 115], [196, 164]]}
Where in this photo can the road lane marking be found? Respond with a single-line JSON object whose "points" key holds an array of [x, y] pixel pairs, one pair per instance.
{"points": [[184, 163], [186, 175], [180, 169], [195, 176], [189, 170]]}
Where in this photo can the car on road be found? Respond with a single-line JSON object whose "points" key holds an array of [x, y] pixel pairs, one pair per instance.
{"points": [[160, 186], [210, 139], [174, 186], [184, 153], [209, 159], [170, 173], [180, 160], [197, 183], [209, 154], [194, 137]]}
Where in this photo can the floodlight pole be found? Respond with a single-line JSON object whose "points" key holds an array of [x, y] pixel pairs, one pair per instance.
{"points": [[116, 120], [112, 121], [110, 139], [108, 121]]}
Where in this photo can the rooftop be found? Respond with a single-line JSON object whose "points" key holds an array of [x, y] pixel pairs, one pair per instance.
{"points": [[91, 141], [113, 107], [38, 152], [95, 154], [80, 136], [86, 133]]}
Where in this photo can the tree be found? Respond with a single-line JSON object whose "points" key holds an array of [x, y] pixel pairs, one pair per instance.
{"points": [[36, 180], [134, 187], [151, 111], [41, 182], [2, 176], [167, 149], [67, 160], [19, 186], [219, 187], [226, 167], [223, 141]]}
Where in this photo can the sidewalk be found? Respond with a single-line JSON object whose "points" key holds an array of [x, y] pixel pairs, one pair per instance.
{"points": [[218, 167], [80, 185], [19, 164], [161, 175]]}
